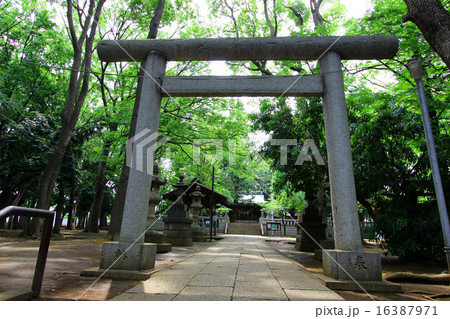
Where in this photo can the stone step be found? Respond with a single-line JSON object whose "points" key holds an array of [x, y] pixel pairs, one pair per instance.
{"points": [[244, 228]]}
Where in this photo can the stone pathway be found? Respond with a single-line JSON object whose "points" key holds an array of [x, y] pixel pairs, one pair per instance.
{"points": [[236, 268]]}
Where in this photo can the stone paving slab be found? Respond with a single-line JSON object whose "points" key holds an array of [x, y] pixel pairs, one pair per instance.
{"points": [[263, 291], [298, 280], [249, 276], [193, 293], [211, 270], [236, 268], [143, 297], [213, 280], [160, 286], [312, 295]]}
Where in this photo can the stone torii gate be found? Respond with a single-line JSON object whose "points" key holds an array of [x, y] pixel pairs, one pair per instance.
{"points": [[347, 261]]}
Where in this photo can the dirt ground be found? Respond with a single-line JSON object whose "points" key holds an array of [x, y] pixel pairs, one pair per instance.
{"points": [[69, 254], [74, 251]]}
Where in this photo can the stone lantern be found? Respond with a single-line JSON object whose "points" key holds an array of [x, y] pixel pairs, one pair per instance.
{"points": [[198, 233], [151, 235], [177, 224], [312, 224]]}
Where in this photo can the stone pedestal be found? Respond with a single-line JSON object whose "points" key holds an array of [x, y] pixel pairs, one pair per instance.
{"points": [[120, 256], [198, 233], [177, 224], [352, 265], [151, 235], [348, 256], [178, 231], [160, 239]]}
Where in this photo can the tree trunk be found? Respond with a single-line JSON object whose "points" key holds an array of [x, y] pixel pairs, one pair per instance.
{"points": [[24, 222], [433, 20], [5, 200], [367, 206], [11, 221], [96, 206], [317, 17], [59, 211], [14, 220], [119, 201], [77, 92], [81, 220], [103, 220], [71, 210], [75, 213]]}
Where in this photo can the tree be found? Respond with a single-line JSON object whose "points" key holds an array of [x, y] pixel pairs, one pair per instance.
{"points": [[113, 91], [32, 87], [433, 20], [76, 95], [392, 174]]}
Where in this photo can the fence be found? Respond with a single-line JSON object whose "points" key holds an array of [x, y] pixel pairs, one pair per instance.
{"points": [[276, 226], [269, 226], [203, 221]]}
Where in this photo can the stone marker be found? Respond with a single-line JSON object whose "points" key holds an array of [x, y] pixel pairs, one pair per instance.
{"points": [[151, 235]]}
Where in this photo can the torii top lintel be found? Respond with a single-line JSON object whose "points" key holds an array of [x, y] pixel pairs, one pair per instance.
{"points": [[244, 49]]}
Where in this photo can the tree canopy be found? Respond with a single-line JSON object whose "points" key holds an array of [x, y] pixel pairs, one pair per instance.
{"points": [[66, 115]]}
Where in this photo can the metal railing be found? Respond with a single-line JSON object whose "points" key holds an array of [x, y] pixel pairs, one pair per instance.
{"points": [[45, 239]]}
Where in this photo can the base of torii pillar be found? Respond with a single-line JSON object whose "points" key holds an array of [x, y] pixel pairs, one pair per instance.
{"points": [[352, 265]]}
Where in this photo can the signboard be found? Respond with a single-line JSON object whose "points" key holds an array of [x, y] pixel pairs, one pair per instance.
{"points": [[273, 226]]}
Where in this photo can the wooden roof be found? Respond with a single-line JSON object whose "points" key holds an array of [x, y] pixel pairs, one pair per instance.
{"points": [[187, 199]]}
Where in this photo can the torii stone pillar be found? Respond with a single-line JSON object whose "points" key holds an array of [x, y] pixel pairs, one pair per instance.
{"points": [[347, 261], [131, 253]]}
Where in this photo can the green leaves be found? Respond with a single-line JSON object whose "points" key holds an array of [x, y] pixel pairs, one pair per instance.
{"points": [[390, 159]]}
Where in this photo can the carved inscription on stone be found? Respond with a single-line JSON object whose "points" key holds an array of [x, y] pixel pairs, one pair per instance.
{"points": [[359, 264]]}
